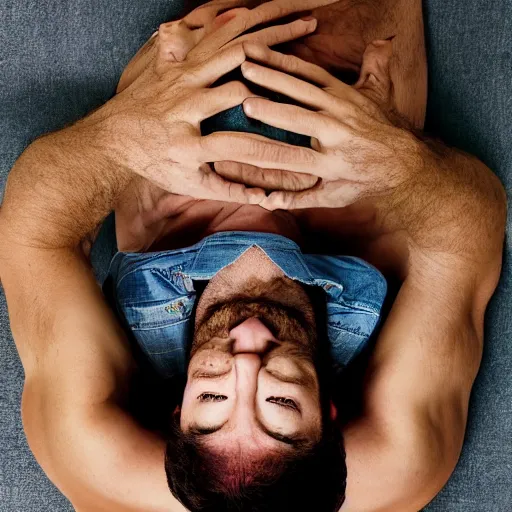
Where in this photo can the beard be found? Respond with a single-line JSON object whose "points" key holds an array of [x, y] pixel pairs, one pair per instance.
{"points": [[286, 323]]}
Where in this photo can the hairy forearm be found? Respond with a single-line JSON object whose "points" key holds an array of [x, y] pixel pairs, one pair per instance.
{"points": [[61, 188], [452, 208]]}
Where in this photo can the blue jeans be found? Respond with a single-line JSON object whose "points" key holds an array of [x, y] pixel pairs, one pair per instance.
{"points": [[60, 59]]}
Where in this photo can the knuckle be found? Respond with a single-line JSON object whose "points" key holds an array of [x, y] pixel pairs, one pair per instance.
{"points": [[277, 11], [296, 27], [163, 27], [291, 62], [238, 52], [249, 45], [245, 23], [237, 88]]}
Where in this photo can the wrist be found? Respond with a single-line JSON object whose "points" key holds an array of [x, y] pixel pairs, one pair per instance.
{"points": [[100, 132], [448, 202]]}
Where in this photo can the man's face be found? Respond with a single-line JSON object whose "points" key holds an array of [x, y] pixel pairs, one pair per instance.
{"points": [[252, 384]]}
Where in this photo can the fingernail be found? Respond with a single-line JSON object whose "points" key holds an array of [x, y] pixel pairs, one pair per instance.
{"points": [[308, 18], [246, 107]]}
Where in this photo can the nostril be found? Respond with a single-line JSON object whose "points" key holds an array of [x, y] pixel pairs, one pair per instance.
{"points": [[251, 336]]}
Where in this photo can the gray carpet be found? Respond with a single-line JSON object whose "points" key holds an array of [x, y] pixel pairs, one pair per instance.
{"points": [[60, 58]]}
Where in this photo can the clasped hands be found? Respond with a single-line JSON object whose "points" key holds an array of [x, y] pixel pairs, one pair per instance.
{"points": [[152, 126]]}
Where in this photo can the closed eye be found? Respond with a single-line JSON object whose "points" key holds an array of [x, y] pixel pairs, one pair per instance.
{"points": [[283, 402], [211, 397]]}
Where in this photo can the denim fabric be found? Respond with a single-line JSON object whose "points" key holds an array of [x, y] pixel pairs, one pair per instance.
{"points": [[61, 58], [156, 295]]}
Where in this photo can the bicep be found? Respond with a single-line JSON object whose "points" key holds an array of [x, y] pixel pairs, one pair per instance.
{"points": [[73, 352], [416, 398], [77, 368], [429, 349]]}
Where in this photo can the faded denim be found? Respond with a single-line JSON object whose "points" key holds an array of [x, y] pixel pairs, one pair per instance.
{"points": [[156, 293]]}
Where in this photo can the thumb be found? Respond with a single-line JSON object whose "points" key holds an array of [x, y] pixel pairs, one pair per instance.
{"points": [[283, 200], [334, 194]]}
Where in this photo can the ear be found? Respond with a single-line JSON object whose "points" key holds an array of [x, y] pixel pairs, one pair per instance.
{"points": [[177, 411], [375, 79], [168, 45], [334, 411]]}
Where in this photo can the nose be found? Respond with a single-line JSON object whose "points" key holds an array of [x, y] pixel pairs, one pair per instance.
{"points": [[251, 337], [247, 368]]}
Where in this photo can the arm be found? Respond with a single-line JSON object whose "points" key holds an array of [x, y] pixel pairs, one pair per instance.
{"points": [[418, 386], [428, 353], [76, 360], [439, 215], [78, 366]]}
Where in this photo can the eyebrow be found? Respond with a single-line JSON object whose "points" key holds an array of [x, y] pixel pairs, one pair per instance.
{"points": [[303, 380], [202, 374]]}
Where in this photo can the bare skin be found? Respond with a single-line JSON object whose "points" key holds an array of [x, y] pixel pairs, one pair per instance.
{"points": [[73, 401], [148, 218], [247, 384]]}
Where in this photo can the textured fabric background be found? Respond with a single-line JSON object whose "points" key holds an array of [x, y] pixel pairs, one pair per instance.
{"points": [[61, 58]]}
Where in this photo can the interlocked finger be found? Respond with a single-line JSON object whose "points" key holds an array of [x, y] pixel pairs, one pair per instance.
{"points": [[268, 179], [217, 188], [264, 13], [209, 102], [296, 119], [290, 86], [221, 63], [259, 151], [279, 33], [289, 64], [328, 195], [204, 14], [311, 72]]}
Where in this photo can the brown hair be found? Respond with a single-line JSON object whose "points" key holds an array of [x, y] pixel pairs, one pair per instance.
{"points": [[308, 478]]}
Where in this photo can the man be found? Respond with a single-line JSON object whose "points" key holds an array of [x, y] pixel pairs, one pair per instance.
{"points": [[398, 423]]}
